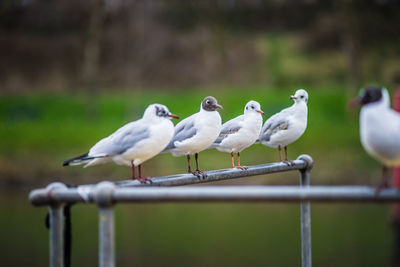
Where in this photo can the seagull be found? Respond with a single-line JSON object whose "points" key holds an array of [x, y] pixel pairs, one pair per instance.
{"points": [[286, 126], [379, 128], [133, 143], [240, 132], [196, 133]]}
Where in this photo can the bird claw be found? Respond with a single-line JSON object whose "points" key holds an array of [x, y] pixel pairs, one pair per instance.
{"points": [[144, 180], [289, 162], [241, 167], [380, 187], [200, 174]]}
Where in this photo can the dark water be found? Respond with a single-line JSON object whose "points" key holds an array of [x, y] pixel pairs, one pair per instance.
{"points": [[204, 234]]}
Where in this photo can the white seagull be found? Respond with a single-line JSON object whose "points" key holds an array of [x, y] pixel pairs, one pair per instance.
{"points": [[379, 128], [286, 126], [240, 132], [134, 143], [197, 132]]}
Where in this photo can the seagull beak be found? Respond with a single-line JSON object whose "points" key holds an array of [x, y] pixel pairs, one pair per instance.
{"points": [[260, 111], [293, 97], [218, 106], [173, 116]]}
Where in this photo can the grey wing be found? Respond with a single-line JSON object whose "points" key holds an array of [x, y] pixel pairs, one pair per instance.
{"points": [[183, 131], [274, 124], [122, 140], [228, 128]]}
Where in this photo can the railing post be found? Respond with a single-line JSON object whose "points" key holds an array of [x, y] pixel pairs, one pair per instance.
{"points": [[56, 219], [104, 199], [305, 210]]}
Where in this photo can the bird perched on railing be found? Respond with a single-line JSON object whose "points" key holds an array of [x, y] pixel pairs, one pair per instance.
{"points": [[240, 132], [196, 133], [287, 126], [134, 143], [379, 128]]}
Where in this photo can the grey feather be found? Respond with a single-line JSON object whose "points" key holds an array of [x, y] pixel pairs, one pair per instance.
{"points": [[273, 126], [122, 140], [183, 131], [229, 127]]}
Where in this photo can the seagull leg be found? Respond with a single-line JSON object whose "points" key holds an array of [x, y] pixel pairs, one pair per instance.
{"points": [[287, 161], [233, 164], [384, 183], [280, 155], [133, 170], [196, 156], [238, 163], [190, 169], [141, 179]]}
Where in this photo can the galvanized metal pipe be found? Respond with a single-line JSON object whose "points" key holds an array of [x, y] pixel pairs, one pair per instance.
{"points": [[56, 221], [104, 199], [106, 237], [232, 194], [305, 216], [218, 175]]}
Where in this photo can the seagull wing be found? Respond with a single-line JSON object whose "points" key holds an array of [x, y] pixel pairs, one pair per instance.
{"points": [[183, 131], [122, 140], [229, 128], [276, 123]]}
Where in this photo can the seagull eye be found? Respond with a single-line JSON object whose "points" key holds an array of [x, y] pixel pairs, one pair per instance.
{"points": [[302, 96], [252, 107], [208, 101]]}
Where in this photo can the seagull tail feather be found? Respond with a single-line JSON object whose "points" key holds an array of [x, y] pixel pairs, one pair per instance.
{"points": [[78, 160]]}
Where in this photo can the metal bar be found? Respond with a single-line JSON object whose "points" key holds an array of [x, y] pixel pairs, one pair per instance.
{"points": [[229, 194], [217, 175], [306, 260], [56, 236], [103, 196], [305, 214], [106, 237], [56, 223]]}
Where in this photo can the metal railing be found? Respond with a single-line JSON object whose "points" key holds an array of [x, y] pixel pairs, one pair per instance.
{"points": [[106, 194]]}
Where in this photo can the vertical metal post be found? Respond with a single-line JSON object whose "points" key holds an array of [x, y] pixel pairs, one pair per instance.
{"points": [[305, 210], [56, 219], [104, 199]]}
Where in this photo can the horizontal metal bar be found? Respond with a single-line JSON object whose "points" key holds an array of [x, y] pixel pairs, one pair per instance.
{"points": [[228, 194], [218, 175]]}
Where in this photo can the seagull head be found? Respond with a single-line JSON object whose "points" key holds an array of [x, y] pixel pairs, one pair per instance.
{"points": [[210, 104], [158, 111], [371, 94], [253, 106], [301, 95]]}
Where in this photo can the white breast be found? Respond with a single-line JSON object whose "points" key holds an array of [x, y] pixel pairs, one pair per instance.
{"points": [[380, 133], [208, 127], [245, 137], [161, 133]]}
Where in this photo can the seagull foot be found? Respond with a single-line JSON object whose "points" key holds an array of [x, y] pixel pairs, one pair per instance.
{"points": [[289, 162], [241, 167], [203, 174], [195, 174], [144, 180], [380, 187]]}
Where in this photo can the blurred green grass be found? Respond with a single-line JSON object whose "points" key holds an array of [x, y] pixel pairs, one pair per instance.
{"points": [[39, 131]]}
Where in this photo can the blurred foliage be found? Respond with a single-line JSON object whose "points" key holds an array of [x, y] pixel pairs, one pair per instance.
{"points": [[55, 45]]}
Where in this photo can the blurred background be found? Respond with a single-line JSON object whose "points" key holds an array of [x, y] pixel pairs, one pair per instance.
{"points": [[72, 72]]}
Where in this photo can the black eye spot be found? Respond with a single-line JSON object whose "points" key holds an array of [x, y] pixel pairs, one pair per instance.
{"points": [[302, 96], [252, 107]]}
